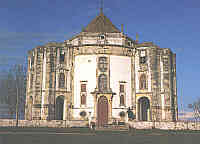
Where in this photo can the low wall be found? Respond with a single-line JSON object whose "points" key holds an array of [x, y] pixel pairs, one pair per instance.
{"points": [[42, 123], [166, 125], [133, 124]]}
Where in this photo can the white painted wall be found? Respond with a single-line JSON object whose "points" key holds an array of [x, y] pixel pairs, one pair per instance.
{"points": [[149, 73], [137, 68], [84, 70], [115, 41], [120, 70], [89, 40]]}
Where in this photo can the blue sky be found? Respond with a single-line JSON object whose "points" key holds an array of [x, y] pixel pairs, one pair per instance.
{"points": [[173, 24]]}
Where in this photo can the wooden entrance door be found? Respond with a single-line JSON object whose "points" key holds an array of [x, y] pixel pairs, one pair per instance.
{"points": [[102, 111], [144, 106]]}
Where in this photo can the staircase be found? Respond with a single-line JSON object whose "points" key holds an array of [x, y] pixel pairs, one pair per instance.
{"points": [[112, 127]]}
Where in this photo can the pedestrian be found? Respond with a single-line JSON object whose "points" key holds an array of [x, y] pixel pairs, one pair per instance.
{"points": [[93, 125], [90, 120]]}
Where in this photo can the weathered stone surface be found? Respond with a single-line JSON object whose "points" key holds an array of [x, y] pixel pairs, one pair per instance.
{"points": [[166, 125], [136, 125], [147, 72]]}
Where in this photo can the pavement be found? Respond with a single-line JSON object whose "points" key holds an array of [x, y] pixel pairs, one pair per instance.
{"points": [[86, 136]]}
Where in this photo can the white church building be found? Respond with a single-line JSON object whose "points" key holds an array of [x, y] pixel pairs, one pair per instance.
{"points": [[102, 73]]}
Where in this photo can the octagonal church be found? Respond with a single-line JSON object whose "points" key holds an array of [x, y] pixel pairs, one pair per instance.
{"points": [[103, 74]]}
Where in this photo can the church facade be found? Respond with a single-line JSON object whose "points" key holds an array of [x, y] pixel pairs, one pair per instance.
{"points": [[101, 73]]}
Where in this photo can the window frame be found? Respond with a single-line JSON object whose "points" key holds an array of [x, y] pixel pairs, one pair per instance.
{"points": [[83, 87], [83, 99], [61, 83], [143, 57], [62, 56], [103, 64], [143, 82], [102, 82], [121, 88], [122, 99]]}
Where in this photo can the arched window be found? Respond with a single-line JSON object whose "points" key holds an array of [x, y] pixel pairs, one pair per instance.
{"points": [[122, 100], [50, 81], [143, 83], [31, 81], [62, 56], [59, 107], [61, 80], [30, 100], [83, 99], [103, 64], [102, 82], [32, 61]]}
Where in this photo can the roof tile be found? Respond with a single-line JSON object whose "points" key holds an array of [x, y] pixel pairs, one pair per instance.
{"points": [[101, 24]]}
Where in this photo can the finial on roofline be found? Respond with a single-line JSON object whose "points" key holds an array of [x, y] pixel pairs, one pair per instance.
{"points": [[137, 36], [101, 7]]}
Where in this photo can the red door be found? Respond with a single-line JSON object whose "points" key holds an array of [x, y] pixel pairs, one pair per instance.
{"points": [[102, 111]]}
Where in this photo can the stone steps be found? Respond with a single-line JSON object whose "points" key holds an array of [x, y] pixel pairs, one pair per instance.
{"points": [[113, 128]]}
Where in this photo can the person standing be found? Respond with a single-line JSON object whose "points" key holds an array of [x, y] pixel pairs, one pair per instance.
{"points": [[90, 120]]}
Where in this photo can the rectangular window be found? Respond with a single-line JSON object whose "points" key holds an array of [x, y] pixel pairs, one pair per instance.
{"points": [[103, 64], [83, 92], [121, 88], [143, 57], [143, 60], [122, 100], [62, 58], [165, 64], [83, 99], [143, 53], [83, 87], [122, 93]]}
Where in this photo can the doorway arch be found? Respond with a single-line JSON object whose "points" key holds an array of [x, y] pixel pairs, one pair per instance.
{"points": [[102, 111], [59, 107], [143, 109]]}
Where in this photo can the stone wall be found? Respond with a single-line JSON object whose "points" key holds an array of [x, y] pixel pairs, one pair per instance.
{"points": [[166, 125], [42, 123], [137, 125]]}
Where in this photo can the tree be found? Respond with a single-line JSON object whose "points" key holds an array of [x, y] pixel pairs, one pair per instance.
{"points": [[3, 91], [13, 83], [196, 109]]}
